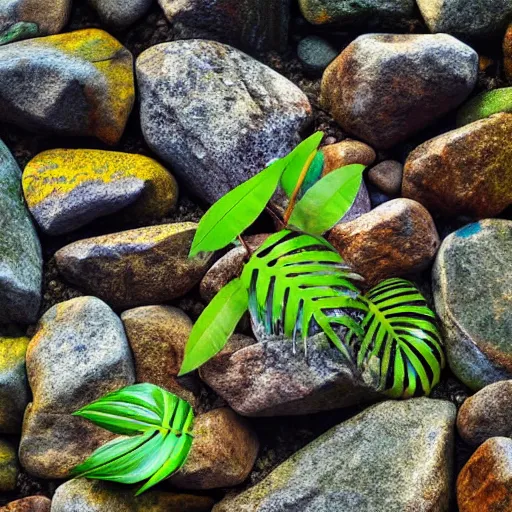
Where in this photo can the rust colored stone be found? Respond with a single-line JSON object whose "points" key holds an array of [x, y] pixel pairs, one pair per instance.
{"points": [[30, 504], [347, 152], [507, 53]]}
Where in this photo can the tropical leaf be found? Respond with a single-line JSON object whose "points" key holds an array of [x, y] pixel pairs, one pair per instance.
{"points": [[314, 173], [401, 339], [159, 424], [326, 202], [216, 324]]}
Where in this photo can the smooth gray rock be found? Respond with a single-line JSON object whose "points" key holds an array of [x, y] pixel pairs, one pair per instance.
{"points": [[472, 285], [315, 54], [216, 115], [21, 264], [120, 13], [393, 457]]}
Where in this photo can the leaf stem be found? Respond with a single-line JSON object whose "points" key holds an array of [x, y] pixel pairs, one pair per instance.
{"points": [[245, 246]]}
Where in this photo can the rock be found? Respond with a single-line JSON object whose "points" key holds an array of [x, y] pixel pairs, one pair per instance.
{"points": [[507, 53], [472, 284], [14, 392], [347, 152], [466, 18], [21, 264], [8, 466], [387, 176], [81, 495], [487, 414], [216, 115], [484, 105], [485, 482], [223, 454], [315, 54], [21, 19], [404, 446], [78, 354], [467, 171], [395, 239], [119, 13], [383, 88], [157, 336], [66, 188], [350, 14], [254, 25], [30, 504], [81, 83], [135, 268]]}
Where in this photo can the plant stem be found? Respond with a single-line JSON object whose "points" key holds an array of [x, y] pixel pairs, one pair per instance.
{"points": [[245, 246], [279, 222]]}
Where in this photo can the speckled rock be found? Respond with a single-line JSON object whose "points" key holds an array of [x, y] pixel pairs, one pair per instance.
{"points": [[14, 392], [472, 284], [383, 88], [22, 19], [216, 115], [254, 25], [223, 454], [387, 176], [81, 84], [487, 413], [9, 467], [66, 188], [395, 239], [466, 18], [21, 264], [30, 504], [135, 268], [405, 447], [315, 53], [78, 354], [467, 171], [507, 53], [157, 337], [484, 105], [485, 482], [81, 495], [120, 13]]}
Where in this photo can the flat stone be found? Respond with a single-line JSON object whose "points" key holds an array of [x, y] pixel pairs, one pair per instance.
{"points": [[396, 239], [404, 446], [30, 504], [472, 285], [9, 467], [387, 176], [81, 83], [119, 13], [78, 354], [467, 171], [485, 482], [67, 188], [222, 455], [316, 53], [216, 115], [485, 105], [21, 263], [487, 414], [383, 87], [81, 495], [134, 268]]}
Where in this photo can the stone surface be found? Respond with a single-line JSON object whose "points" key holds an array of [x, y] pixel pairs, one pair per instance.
{"points": [[21, 19], [472, 285], [14, 392], [120, 13], [79, 83], [157, 337], [216, 115], [30, 504], [485, 482], [396, 456], [484, 105], [78, 354], [21, 264], [487, 414], [254, 25], [134, 268], [315, 53], [9, 468], [395, 239], [66, 189], [81, 495], [347, 152], [387, 176], [383, 88], [466, 18], [507, 53], [223, 454], [467, 171]]}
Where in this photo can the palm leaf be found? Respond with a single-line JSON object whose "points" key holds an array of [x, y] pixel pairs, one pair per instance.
{"points": [[402, 338], [163, 423]]}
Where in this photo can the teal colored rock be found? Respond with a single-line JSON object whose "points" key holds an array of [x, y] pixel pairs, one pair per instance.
{"points": [[485, 105], [21, 264]]}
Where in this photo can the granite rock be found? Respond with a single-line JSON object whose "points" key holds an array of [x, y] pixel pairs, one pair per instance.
{"points": [[315, 54], [387, 176], [120, 13]]}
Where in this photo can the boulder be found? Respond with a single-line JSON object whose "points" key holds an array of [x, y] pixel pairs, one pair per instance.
{"points": [[119, 13], [30, 504], [9, 467], [387, 176]]}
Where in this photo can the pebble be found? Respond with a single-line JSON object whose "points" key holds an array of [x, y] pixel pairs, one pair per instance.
{"points": [[387, 176], [30, 504], [120, 13], [9, 467], [315, 54], [485, 105]]}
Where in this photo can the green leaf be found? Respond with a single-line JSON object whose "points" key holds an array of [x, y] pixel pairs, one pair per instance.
{"points": [[216, 324], [314, 173], [326, 202]]}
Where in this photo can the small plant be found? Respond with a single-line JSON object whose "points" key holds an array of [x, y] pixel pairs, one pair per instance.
{"points": [[158, 424]]}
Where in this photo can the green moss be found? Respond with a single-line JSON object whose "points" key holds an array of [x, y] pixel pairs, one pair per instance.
{"points": [[485, 105]]}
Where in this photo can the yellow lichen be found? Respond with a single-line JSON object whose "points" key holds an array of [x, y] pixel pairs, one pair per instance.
{"points": [[12, 351]]}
